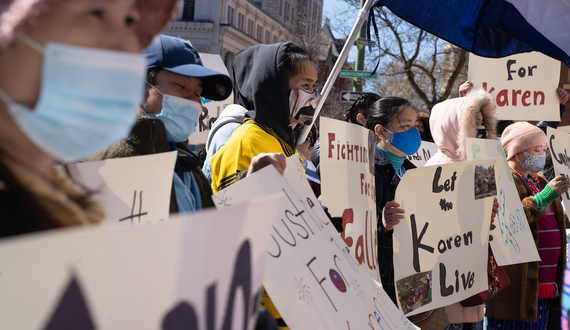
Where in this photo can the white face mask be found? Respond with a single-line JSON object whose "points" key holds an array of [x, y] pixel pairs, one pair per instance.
{"points": [[179, 116], [87, 102]]}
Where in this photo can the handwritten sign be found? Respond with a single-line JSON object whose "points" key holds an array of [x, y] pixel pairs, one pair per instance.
{"points": [[513, 242], [348, 186], [523, 85], [143, 277], [210, 109], [311, 276], [558, 142], [133, 190], [420, 158], [440, 248]]}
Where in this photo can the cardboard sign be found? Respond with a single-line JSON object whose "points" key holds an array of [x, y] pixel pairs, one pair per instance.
{"points": [[565, 129], [311, 276], [420, 158], [202, 271], [133, 190], [513, 242], [559, 142], [348, 186], [441, 247], [210, 109], [523, 85]]}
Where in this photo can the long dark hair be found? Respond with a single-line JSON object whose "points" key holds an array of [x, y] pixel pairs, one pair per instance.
{"points": [[384, 110], [361, 105]]}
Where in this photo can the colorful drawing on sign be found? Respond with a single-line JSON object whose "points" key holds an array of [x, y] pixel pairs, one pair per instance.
{"points": [[337, 280], [513, 241], [303, 290], [485, 184], [414, 291]]}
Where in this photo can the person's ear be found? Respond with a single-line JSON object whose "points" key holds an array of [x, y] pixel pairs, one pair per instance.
{"points": [[379, 130], [361, 119], [520, 156]]}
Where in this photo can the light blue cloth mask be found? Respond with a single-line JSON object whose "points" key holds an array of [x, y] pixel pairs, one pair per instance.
{"points": [[179, 116], [88, 99], [532, 163]]}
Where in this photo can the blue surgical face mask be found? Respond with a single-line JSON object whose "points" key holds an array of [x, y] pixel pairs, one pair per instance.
{"points": [[532, 163], [88, 100], [179, 116], [408, 142]]}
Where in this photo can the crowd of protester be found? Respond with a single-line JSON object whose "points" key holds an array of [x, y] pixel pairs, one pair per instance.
{"points": [[91, 80]]}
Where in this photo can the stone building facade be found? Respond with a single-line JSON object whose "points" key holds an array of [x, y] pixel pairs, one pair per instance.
{"points": [[225, 27]]}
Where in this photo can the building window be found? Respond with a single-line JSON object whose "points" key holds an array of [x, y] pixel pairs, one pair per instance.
{"points": [[188, 10], [259, 32], [292, 14], [230, 15], [280, 7], [274, 39], [267, 37], [314, 12], [286, 11], [241, 21], [250, 27]]}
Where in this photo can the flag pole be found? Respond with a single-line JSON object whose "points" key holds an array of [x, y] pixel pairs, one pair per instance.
{"points": [[362, 16]]}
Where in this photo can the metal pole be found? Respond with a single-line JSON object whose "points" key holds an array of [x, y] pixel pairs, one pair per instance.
{"points": [[362, 16], [359, 63]]}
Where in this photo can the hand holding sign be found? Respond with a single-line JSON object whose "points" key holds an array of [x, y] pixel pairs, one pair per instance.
{"points": [[391, 216], [560, 184]]}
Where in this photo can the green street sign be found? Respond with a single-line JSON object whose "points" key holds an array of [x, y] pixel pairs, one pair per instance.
{"points": [[357, 74], [363, 42]]}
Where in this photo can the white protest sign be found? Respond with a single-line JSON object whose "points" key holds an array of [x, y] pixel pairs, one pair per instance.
{"points": [[210, 109], [565, 129], [523, 85], [512, 239], [559, 141], [133, 190], [441, 247], [202, 271], [348, 186], [420, 158], [311, 276]]}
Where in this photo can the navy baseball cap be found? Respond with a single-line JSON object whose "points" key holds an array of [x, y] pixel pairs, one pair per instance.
{"points": [[177, 55]]}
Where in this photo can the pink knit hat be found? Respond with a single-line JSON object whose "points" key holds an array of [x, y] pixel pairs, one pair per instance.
{"points": [[521, 136], [16, 16]]}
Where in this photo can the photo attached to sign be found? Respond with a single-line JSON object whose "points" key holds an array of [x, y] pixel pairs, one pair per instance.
{"points": [[485, 184], [414, 291]]}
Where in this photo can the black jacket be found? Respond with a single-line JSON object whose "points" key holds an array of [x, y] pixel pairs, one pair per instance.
{"points": [[147, 137], [386, 183], [260, 85]]}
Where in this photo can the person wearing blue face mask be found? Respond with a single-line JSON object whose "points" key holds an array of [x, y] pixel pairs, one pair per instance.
{"points": [[393, 120], [71, 76], [176, 80]]}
